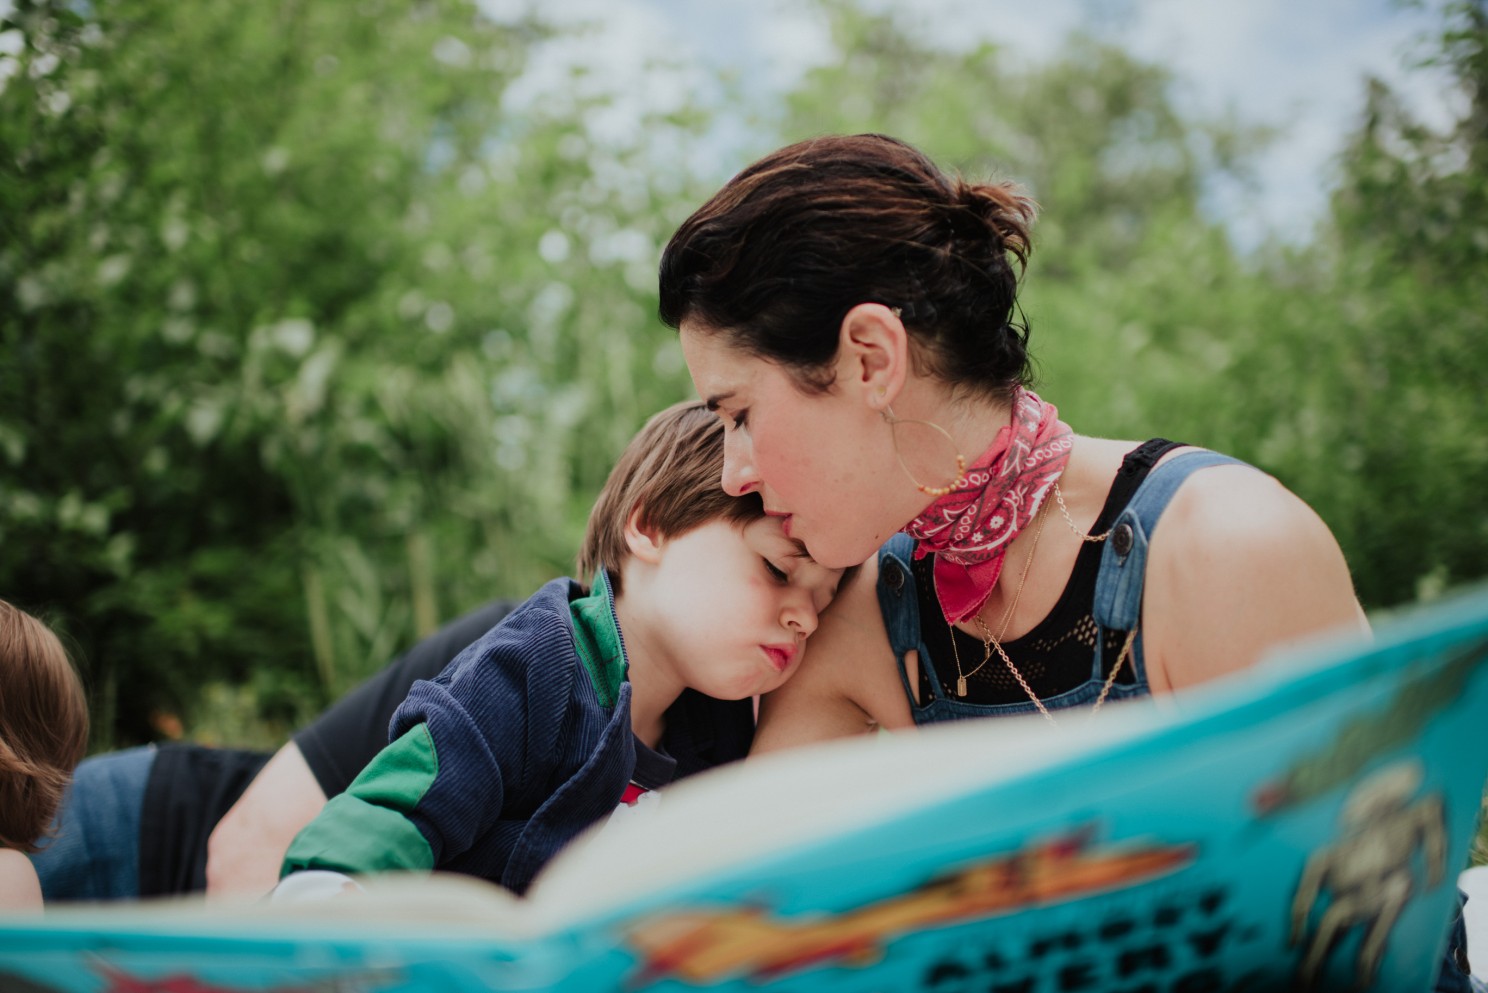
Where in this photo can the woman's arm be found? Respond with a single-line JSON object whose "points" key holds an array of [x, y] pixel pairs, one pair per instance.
{"points": [[1239, 566], [848, 682]]}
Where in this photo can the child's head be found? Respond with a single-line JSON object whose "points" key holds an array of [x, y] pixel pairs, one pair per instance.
{"points": [[43, 727], [670, 472], [727, 598]]}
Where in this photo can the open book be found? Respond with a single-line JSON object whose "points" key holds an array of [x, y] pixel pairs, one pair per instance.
{"points": [[1299, 825]]}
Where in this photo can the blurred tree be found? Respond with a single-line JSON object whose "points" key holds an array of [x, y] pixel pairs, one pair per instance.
{"points": [[1408, 334], [306, 343], [319, 323]]}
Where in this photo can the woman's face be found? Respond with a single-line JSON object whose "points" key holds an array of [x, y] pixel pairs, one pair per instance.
{"points": [[818, 461]]}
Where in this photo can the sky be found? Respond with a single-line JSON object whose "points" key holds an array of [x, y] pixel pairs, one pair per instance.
{"points": [[1299, 65]]}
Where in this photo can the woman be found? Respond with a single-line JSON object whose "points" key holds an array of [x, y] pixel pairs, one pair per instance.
{"points": [[848, 310]]}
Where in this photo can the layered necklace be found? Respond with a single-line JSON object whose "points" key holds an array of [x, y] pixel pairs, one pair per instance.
{"points": [[970, 528], [991, 642]]}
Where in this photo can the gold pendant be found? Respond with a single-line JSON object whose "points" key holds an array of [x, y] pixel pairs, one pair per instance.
{"points": [[960, 685]]}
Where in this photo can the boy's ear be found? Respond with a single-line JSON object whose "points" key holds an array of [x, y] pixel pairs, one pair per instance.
{"points": [[642, 540], [873, 353]]}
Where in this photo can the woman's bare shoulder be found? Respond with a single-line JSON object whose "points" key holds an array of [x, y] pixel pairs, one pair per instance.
{"points": [[847, 683], [1238, 565]]}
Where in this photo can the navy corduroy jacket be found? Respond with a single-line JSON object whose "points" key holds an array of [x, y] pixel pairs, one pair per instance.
{"points": [[509, 753]]}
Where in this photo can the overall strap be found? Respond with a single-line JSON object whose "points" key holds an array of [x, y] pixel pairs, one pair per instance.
{"points": [[1123, 566], [899, 603]]}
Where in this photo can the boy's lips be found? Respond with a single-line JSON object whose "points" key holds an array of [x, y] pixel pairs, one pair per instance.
{"points": [[779, 655]]}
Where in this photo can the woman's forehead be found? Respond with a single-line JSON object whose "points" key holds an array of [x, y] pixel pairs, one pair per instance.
{"points": [[718, 369]]}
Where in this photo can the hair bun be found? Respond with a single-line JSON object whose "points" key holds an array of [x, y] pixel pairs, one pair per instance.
{"points": [[1005, 211]]}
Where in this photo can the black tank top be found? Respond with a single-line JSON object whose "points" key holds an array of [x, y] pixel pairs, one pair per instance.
{"points": [[1054, 657]]}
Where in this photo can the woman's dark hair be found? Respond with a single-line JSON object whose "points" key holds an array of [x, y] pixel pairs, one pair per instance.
{"points": [[776, 259]]}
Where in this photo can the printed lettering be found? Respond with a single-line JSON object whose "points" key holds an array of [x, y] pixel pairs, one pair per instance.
{"points": [[1206, 980], [1020, 986], [947, 971], [1167, 915], [1210, 902], [1206, 943], [1079, 976], [1069, 941], [1134, 960]]}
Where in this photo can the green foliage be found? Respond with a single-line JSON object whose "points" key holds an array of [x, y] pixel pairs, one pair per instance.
{"points": [[313, 333], [286, 378], [1410, 240]]}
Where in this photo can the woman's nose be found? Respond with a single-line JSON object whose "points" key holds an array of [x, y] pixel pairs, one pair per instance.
{"points": [[739, 476]]}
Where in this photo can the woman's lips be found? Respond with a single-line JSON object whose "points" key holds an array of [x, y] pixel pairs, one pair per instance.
{"points": [[779, 655]]}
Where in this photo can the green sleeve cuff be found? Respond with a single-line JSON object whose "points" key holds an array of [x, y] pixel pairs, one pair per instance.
{"points": [[366, 829]]}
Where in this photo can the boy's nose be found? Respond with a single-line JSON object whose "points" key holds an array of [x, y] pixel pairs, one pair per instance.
{"points": [[800, 613]]}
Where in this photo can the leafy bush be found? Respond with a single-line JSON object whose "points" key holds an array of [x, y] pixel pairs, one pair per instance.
{"points": [[313, 334]]}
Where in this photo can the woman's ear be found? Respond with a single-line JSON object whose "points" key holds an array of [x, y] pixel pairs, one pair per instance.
{"points": [[642, 540], [873, 353]]}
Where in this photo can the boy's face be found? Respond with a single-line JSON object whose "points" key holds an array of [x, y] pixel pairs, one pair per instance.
{"points": [[737, 604]]}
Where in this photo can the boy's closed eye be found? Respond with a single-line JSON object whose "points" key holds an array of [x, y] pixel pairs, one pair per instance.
{"points": [[824, 582]]}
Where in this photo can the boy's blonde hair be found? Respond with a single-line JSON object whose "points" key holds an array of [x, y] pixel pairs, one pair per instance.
{"points": [[43, 727], [672, 470]]}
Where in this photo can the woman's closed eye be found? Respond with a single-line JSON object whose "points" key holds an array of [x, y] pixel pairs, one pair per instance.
{"points": [[740, 419]]}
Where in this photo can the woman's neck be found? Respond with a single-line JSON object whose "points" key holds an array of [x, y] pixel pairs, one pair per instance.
{"points": [[970, 423]]}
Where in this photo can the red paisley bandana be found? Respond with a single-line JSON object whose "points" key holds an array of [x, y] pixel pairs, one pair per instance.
{"points": [[969, 529]]}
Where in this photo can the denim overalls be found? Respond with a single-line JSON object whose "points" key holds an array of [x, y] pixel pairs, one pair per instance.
{"points": [[1117, 608]]}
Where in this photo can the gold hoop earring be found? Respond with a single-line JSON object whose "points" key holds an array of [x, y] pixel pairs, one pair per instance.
{"points": [[936, 491]]}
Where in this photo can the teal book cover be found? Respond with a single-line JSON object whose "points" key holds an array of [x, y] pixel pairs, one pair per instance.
{"points": [[1298, 826]]}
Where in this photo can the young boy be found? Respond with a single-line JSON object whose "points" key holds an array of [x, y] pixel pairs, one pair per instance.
{"points": [[583, 699]]}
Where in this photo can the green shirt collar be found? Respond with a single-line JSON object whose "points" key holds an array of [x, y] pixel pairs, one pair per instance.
{"points": [[597, 638]]}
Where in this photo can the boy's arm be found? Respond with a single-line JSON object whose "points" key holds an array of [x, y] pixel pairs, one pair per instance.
{"points": [[464, 746], [246, 848], [372, 826]]}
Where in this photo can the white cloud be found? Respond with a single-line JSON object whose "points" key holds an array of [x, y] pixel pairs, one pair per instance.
{"points": [[1296, 66]]}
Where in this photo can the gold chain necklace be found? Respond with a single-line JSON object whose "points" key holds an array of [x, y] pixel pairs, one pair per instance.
{"points": [[1007, 615], [1059, 496], [989, 642]]}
